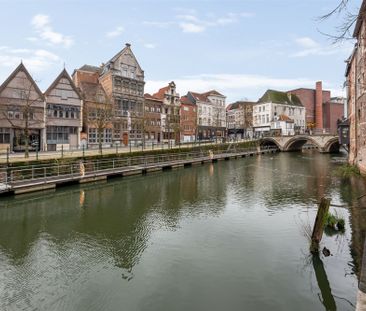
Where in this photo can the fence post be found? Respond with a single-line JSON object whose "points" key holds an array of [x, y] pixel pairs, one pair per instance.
{"points": [[62, 151], [7, 156]]}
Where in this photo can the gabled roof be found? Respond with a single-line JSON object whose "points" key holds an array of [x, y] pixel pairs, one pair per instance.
{"points": [[21, 67], [213, 93], [272, 96], [125, 49], [63, 74]]}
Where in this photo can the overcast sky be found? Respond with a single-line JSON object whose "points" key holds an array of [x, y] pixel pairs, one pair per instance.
{"points": [[239, 47]]}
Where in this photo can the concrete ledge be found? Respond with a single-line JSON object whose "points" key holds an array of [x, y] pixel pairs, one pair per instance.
{"points": [[196, 163], [131, 173], [34, 188], [154, 169], [92, 179], [176, 166]]}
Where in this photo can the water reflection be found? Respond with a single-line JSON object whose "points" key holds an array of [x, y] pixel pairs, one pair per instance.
{"points": [[185, 237], [326, 298]]}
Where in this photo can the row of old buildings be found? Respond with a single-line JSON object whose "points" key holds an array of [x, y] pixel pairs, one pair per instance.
{"points": [[106, 105], [286, 113]]}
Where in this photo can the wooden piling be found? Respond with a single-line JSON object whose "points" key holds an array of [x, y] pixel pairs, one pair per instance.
{"points": [[319, 225]]}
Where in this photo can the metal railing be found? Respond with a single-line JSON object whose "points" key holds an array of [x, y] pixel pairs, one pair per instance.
{"points": [[92, 150], [85, 168]]}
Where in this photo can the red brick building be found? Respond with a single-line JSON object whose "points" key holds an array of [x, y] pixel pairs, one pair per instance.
{"points": [[322, 111], [188, 120], [152, 119], [356, 94]]}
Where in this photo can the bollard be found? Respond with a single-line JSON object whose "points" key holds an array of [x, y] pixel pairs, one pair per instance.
{"points": [[62, 151]]}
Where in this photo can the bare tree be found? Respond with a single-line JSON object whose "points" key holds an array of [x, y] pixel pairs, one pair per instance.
{"points": [[24, 111], [348, 18], [99, 116]]}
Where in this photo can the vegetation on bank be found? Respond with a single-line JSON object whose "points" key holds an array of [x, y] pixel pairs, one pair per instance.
{"points": [[334, 224], [347, 170]]}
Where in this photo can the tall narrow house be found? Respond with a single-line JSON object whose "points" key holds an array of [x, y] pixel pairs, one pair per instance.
{"points": [[64, 114], [170, 119], [22, 113], [123, 81]]}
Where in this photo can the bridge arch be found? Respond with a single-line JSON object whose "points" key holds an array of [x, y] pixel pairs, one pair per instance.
{"points": [[297, 142], [332, 145], [270, 142]]}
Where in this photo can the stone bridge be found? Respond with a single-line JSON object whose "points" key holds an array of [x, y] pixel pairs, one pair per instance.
{"points": [[324, 143]]}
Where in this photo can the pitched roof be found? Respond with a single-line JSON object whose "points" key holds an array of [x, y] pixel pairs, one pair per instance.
{"points": [[272, 96], [125, 49], [90, 68], [214, 93], [237, 104], [91, 90], [21, 67], [198, 96], [161, 93], [185, 101], [63, 74], [150, 97]]}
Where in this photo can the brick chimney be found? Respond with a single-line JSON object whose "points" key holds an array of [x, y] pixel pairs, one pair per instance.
{"points": [[319, 105]]}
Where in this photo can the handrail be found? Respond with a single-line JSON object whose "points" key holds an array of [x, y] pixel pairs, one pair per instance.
{"points": [[92, 167]]}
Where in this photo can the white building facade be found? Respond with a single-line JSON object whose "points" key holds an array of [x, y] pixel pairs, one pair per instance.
{"points": [[211, 114], [280, 113]]}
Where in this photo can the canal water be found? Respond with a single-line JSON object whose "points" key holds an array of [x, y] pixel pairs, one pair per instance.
{"points": [[223, 236]]}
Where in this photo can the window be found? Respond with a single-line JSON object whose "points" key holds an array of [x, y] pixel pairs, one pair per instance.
{"points": [[59, 134], [4, 135], [105, 135]]}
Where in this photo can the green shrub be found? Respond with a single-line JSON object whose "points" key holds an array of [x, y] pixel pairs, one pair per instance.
{"points": [[347, 170]]}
